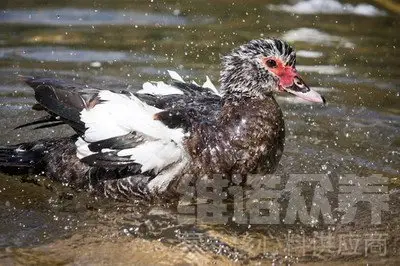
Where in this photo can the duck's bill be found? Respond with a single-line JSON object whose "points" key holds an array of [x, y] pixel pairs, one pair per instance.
{"points": [[301, 90]]}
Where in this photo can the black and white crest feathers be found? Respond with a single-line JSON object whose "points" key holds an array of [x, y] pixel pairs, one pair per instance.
{"points": [[265, 47], [242, 70]]}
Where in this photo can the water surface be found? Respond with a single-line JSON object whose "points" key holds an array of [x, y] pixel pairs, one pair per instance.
{"points": [[352, 59]]}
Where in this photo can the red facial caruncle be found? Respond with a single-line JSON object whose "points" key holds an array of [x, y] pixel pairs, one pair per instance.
{"points": [[290, 80], [286, 74]]}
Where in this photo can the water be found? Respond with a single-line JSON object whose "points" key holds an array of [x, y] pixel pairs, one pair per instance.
{"points": [[353, 60]]}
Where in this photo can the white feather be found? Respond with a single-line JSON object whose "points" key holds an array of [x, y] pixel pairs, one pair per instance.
{"points": [[208, 84], [154, 155], [159, 88], [174, 75], [121, 114], [159, 184], [82, 150], [107, 150]]}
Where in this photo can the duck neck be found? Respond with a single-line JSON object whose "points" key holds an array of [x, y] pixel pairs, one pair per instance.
{"points": [[232, 91], [235, 96]]}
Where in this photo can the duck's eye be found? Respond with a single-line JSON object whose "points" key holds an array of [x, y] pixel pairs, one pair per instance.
{"points": [[298, 82], [271, 63]]}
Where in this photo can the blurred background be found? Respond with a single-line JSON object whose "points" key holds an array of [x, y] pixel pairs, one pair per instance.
{"points": [[346, 50]]}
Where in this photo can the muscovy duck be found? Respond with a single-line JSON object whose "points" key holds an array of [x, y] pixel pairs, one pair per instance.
{"points": [[141, 144]]}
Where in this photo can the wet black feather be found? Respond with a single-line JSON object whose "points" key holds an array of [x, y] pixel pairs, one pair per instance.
{"points": [[63, 100], [45, 119], [179, 118], [108, 160], [54, 124], [118, 143]]}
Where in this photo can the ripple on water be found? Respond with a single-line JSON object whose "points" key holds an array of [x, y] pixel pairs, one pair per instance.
{"points": [[314, 36], [328, 7], [64, 54], [322, 69], [309, 54], [82, 17]]}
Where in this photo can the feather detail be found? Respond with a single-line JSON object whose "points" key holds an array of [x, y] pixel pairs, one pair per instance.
{"points": [[209, 85], [154, 155], [158, 88], [162, 89], [82, 150], [161, 182], [120, 114], [122, 119], [174, 75]]}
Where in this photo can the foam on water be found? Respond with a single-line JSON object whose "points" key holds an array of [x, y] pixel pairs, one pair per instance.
{"points": [[328, 7], [314, 36]]}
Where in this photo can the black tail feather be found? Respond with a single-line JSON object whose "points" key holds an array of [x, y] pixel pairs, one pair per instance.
{"points": [[43, 120], [62, 100], [24, 158], [50, 125]]}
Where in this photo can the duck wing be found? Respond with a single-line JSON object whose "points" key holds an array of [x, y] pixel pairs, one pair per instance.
{"points": [[62, 100], [202, 103], [144, 131], [146, 127]]}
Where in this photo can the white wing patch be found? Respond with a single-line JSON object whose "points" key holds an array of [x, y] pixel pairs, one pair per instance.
{"points": [[161, 152], [82, 150], [121, 114], [208, 84], [153, 155], [174, 75], [161, 88]]}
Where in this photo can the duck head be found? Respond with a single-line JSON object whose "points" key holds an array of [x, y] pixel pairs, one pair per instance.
{"points": [[261, 67]]}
